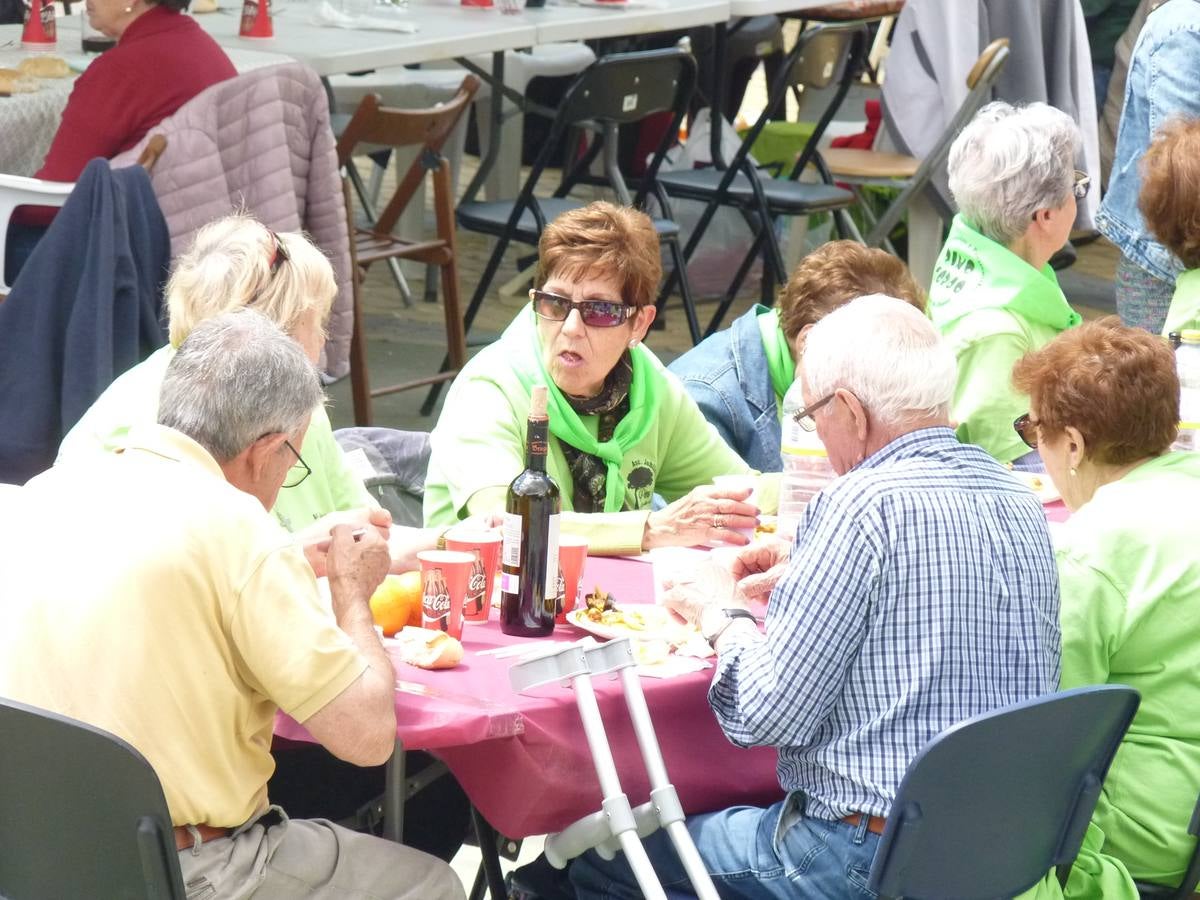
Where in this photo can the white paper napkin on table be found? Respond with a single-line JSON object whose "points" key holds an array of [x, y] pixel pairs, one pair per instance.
{"points": [[330, 16]]}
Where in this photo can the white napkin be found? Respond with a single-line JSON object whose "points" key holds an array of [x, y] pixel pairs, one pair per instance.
{"points": [[329, 16]]}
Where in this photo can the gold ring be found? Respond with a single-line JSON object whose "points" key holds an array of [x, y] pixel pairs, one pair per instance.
{"points": [[718, 521]]}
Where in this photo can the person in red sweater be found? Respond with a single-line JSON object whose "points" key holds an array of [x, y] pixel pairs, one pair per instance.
{"points": [[162, 59]]}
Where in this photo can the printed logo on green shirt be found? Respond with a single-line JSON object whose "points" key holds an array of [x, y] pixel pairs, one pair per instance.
{"points": [[641, 483], [958, 271]]}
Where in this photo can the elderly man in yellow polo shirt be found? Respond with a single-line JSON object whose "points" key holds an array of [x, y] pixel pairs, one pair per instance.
{"points": [[190, 616]]}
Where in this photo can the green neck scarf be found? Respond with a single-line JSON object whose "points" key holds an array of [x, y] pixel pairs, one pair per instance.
{"points": [[974, 272], [779, 355], [645, 396]]}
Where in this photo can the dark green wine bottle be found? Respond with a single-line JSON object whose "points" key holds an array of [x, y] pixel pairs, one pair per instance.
{"points": [[529, 558]]}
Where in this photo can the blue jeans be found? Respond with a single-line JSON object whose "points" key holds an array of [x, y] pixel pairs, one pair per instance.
{"points": [[752, 853]]}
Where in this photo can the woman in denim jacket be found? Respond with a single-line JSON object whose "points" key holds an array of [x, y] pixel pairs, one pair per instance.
{"points": [[1163, 75], [738, 376]]}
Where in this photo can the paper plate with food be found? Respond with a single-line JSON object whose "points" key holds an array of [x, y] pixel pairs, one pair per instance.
{"points": [[1040, 484]]}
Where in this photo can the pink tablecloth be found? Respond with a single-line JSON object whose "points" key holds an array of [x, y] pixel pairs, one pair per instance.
{"points": [[523, 759]]}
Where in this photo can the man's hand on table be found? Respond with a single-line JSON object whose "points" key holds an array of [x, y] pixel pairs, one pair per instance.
{"points": [[757, 568], [356, 565], [709, 585], [315, 539]]}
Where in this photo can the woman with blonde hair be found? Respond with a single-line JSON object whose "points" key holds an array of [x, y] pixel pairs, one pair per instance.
{"points": [[234, 262]]}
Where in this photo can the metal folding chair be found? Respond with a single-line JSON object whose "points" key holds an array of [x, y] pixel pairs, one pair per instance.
{"points": [[992, 804], [616, 825], [823, 56]]}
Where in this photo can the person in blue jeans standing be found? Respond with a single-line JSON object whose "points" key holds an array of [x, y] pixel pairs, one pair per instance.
{"points": [[1163, 75], [922, 590]]}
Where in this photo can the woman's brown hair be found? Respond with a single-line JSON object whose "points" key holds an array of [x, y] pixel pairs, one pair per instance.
{"points": [[603, 239], [1170, 198], [1117, 385], [836, 273]]}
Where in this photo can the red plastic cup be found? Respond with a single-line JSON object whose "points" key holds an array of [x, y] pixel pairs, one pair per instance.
{"points": [[256, 19], [444, 578], [572, 554], [483, 4], [40, 31], [484, 547]]}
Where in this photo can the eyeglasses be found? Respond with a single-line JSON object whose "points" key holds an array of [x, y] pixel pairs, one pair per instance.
{"points": [[594, 313], [1083, 182], [279, 253], [1027, 427], [804, 417], [294, 476]]}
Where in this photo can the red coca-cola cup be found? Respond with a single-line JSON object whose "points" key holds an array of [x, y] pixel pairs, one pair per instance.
{"points": [[444, 578], [484, 546], [40, 32], [256, 20], [572, 554]]}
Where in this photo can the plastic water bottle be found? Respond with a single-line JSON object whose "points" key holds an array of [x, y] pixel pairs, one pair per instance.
{"points": [[806, 467], [1187, 364]]}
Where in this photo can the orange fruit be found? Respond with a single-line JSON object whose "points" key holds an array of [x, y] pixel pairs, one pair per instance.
{"points": [[397, 602]]}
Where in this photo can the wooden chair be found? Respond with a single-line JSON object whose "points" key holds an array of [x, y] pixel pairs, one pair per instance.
{"points": [[375, 124]]}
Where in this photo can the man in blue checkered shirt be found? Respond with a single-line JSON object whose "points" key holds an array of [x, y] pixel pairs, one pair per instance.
{"points": [[921, 590]]}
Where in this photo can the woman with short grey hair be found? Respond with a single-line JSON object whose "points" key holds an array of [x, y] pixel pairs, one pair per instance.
{"points": [[994, 297]]}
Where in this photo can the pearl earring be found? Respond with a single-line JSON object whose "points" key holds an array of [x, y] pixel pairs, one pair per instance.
{"points": [[1073, 471]]}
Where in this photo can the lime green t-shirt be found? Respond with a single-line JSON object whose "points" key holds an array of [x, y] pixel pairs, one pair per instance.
{"points": [[478, 447], [1130, 575], [1184, 311], [992, 308], [133, 400]]}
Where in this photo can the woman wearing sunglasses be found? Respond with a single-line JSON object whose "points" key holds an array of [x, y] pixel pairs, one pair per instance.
{"points": [[994, 296], [1103, 411], [622, 428]]}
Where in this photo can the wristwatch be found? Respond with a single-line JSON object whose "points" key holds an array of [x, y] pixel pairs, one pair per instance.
{"points": [[730, 615]]}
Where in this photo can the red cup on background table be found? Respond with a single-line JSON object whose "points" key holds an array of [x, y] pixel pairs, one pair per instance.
{"points": [[444, 578], [487, 4], [484, 547], [572, 554]]}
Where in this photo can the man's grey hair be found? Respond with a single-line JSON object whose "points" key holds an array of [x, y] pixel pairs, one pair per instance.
{"points": [[887, 354], [236, 378], [1011, 161]]}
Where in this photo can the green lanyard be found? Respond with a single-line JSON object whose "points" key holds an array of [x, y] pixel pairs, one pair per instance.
{"points": [[779, 354]]}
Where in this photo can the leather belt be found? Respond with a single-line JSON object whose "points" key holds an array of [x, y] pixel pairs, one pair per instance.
{"points": [[875, 824], [185, 841]]}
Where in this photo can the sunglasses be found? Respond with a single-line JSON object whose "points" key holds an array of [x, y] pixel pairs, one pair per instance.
{"points": [[594, 313], [1026, 426], [1083, 182], [279, 253]]}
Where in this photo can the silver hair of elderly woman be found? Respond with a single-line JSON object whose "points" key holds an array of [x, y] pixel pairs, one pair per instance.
{"points": [[235, 378], [887, 354], [1010, 161]]}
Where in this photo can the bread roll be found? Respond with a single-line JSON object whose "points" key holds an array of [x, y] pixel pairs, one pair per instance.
{"points": [[13, 82], [44, 67], [429, 649], [203, 6]]}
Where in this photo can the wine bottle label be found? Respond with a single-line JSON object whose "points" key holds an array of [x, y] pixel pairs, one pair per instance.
{"points": [[510, 582], [552, 556], [510, 530]]}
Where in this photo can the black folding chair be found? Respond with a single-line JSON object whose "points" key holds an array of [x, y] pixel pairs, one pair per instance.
{"points": [[82, 813], [994, 803], [1191, 876], [617, 89], [823, 56]]}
